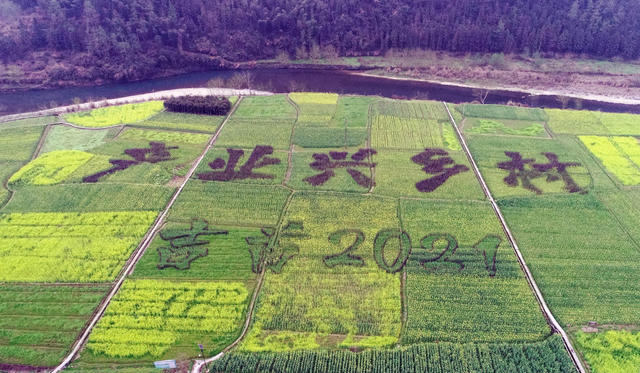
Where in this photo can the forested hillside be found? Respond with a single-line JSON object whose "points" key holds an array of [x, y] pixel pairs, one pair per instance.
{"points": [[135, 35]]}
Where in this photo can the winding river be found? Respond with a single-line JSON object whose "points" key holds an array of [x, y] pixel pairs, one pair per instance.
{"points": [[286, 80]]}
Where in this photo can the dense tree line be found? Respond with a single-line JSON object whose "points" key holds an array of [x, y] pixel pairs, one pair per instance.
{"points": [[209, 105], [147, 33]]}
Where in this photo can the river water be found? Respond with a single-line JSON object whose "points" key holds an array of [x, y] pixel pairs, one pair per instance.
{"points": [[285, 80]]}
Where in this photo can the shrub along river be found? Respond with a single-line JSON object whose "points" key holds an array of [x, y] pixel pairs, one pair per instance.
{"points": [[286, 80]]}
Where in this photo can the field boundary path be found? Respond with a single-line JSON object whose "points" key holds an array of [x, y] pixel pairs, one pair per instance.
{"points": [[160, 95], [141, 248], [532, 283]]}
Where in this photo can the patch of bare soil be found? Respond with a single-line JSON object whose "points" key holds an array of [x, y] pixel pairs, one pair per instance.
{"points": [[176, 181]]}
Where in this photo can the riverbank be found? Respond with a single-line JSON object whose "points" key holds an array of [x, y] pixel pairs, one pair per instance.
{"points": [[567, 75], [532, 92]]}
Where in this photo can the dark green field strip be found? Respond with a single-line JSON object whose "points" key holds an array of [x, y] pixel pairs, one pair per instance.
{"points": [[18, 144], [227, 258], [230, 204], [29, 122], [242, 133], [486, 310], [351, 111], [502, 112], [31, 355], [182, 122], [89, 197], [547, 356], [38, 322], [59, 309], [587, 266], [47, 322], [21, 337], [276, 106]]}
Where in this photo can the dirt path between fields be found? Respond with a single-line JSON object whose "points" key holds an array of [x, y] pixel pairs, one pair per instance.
{"points": [[555, 326], [133, 260]]}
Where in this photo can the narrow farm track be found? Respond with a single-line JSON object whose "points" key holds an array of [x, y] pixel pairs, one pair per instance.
{"points": [[159, 222], [287, 176], [532, 283], [199, 364]]}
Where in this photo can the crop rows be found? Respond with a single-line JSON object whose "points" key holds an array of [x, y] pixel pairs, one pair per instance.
{"points": [[316, 109], [611, 351], [510, 127], [620, 155], [114, 115], [148, 317], [50, 168], [39, 322], [68, 247], [585, 122], [502, 112], [548, 356]]}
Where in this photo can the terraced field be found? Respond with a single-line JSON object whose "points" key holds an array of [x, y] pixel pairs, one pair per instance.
{"points": [[320, 233]]}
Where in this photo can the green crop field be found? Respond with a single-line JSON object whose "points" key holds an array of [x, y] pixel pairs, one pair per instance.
{"points": [[114, 115], [71, 217], [321, 233]]}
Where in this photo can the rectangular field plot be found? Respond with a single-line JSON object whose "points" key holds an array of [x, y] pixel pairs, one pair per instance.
{"points": [[18, 144], [230, 204], [621, 124], [30, 122], [38, 323], [315, 109], [260, 121], [410, 125], [114, 115], [62, 137], [488, 126], [259, 165], [331, 291], [586, 265], [521, 166], [68, 247], [89, 197], [463, 280], [502, 112], [223, 255], [274, 107], [620, 155], [352, 112], [391, 132], [183, 122], [152, 320], [398, 175], [575, 122], [329, 137], [315, 170], [548, 356]]}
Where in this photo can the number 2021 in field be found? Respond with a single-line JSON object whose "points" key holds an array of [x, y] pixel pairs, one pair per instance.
{"points": [[435, 253]]}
